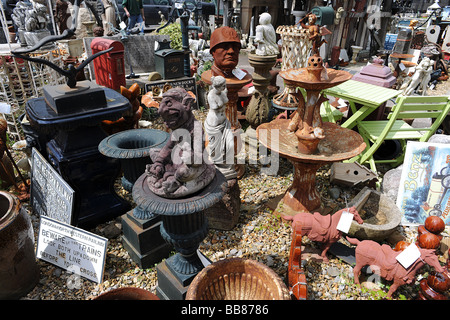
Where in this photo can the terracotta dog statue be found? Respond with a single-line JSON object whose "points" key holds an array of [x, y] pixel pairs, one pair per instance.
{"points": [[321, 228], [369, 252]]}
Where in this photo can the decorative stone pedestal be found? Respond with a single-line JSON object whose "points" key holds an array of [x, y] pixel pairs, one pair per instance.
{"points": [[356, 50], [224, 215], [33, 37], [142, 239], [258, 108]]}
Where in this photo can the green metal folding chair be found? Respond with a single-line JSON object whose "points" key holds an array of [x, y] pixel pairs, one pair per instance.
{"points": [[376, 132]]}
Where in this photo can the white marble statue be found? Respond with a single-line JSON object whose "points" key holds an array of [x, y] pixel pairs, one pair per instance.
{"points": [[218, 128], [265, 37], [421, 77]]}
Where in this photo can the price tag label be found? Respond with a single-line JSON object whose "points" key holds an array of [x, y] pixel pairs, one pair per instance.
{"points": [[402, 67], [238, 73], [408, 256], [345, 222]]}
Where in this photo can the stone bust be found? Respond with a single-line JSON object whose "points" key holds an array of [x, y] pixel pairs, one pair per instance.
{"points": [[266, 37], [178, 169], [224, 47]]}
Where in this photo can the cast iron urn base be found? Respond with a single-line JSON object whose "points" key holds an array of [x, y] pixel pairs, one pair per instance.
{"points": [[184, 226]]}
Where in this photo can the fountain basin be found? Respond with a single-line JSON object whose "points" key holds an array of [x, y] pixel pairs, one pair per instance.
{"points": [[380, 214], [301, 78], [237, 279], [339, 143], [132, 148]]}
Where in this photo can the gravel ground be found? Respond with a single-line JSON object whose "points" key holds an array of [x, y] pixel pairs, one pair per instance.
{"points": [[259, 235]]}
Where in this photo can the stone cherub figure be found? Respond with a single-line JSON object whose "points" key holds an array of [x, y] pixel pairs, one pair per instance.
{"points": [[218, 128], [37, 17], [178, 169], [19, 14], [266, 37]]}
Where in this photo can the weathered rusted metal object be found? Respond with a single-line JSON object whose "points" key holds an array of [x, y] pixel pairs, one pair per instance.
{"points": [[19, 272], [339, 144], [296, 276], [307, 122], [237, 279], [438, 282]]}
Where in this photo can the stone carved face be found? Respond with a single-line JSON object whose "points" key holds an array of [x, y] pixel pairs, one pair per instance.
{"points": [[175, 108]]}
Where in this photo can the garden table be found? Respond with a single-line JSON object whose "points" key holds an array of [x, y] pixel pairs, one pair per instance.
{"points": [[368, 95]]}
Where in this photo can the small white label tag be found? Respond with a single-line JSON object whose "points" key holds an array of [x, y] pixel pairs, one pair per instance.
{"points": [[5, 108], [402, 66], [238, 73], [408, 256], [345, 222]]}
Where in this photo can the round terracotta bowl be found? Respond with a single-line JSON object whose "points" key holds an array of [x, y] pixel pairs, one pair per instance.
{"points": [[237, 279], [127, 293]]}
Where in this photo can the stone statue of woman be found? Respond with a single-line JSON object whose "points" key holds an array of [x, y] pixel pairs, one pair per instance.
{"points": [[218, 128]]}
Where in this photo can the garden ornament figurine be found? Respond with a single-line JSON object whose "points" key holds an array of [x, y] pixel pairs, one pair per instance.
{"points": [[315, 34], [179, 169], [321, 228], [266, 37], [421, 77], [371, 253], [225, 46], [218, 129]]}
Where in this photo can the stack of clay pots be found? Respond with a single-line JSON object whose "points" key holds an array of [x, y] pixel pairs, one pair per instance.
{"points": [[437, 283]]}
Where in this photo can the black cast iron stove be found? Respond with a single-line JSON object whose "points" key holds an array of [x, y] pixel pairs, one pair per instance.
{"points": [[72, 113]]}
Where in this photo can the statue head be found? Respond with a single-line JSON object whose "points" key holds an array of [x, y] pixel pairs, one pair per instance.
{"points": [[224, 47], [219, 83], [312, 19], [175, 108], [265, 18]]}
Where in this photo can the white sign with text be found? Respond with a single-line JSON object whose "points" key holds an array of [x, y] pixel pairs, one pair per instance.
{"points": [[345, 222], [72, 249]]}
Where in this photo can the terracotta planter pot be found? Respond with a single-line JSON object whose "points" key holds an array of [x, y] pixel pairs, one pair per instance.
{"points": [[127, 293], [434, 224], [237, 279], [19, 272]]}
